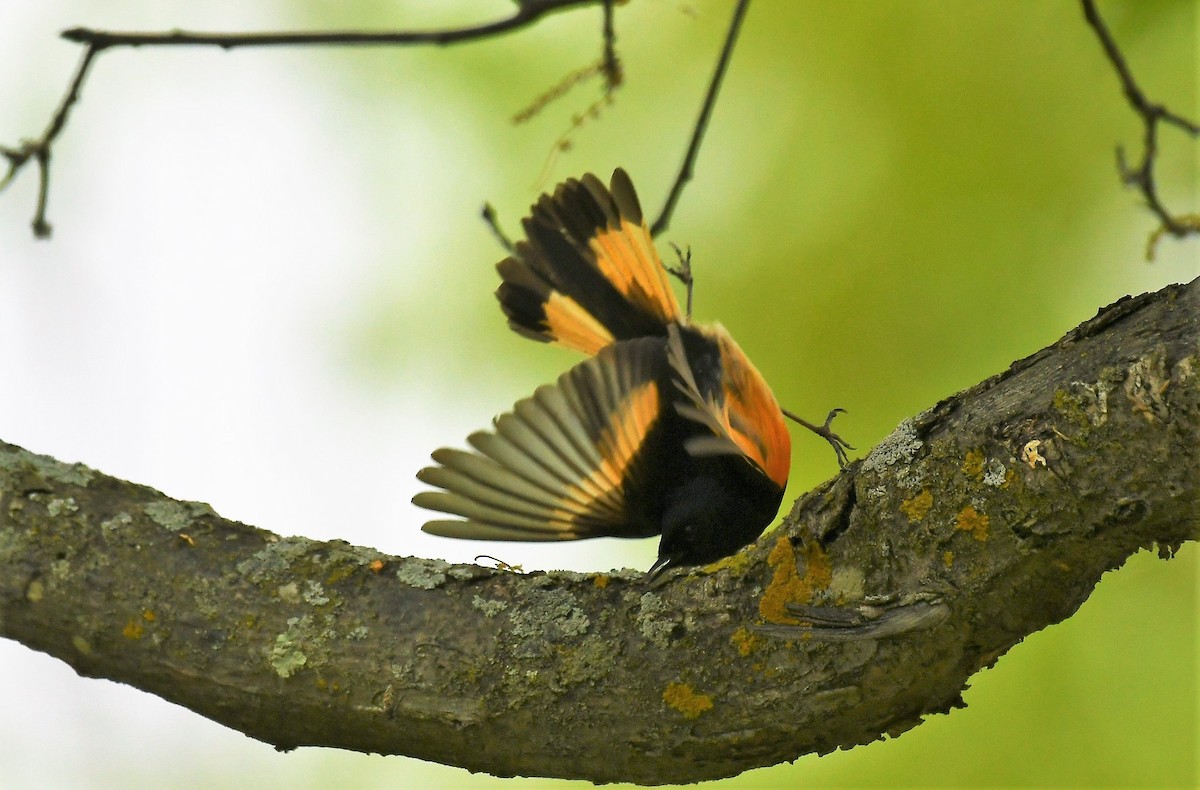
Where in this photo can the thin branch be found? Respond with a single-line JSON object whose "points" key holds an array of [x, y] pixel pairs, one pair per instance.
{"points": [[39, 150], [1152, 114], [528, 11], [96, 41], [1038, 480], [608, 65], [493, 223], [614, 73], [710, 100]]}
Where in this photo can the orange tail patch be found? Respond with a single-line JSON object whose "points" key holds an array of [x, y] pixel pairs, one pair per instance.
{"points": [[588, 273]]}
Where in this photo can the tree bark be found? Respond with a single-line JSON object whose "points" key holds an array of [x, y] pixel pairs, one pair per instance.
{"points": [[992, 515]]}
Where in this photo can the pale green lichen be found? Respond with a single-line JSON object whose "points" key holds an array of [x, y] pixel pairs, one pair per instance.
{"points": [[115, 524], [207, 601], [167, 514], [175, 516], [314, 593], [275, 560], [16, 460], [900, 446], [466, 573], [544, 618], [423, 574], [553, 578], [590, 662], [12, 544], [653, 626], [847, 584], [286, 656], [996, 474], [60, 569], [489, 608], [349, 558], [288, 593], [56, 507], [359, 633]]}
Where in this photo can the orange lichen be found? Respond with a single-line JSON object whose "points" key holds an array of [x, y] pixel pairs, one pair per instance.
{"points": [[734, 562], [1031, 455], [600, 580], [744, 640], [973, 464], [133, 629], [149, 616], [682, 698], [787, 585], [918, 506], [948, 559], [971, 520], [376, 566], [819, 571]]}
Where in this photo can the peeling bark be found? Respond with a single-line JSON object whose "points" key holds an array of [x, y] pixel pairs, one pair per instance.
{"points": [[1003, 505]]}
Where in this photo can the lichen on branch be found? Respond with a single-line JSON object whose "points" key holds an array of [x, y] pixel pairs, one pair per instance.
{"points": [[1035, 482]]}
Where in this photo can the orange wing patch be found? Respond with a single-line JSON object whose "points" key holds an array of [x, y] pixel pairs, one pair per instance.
{"points": [[751, 413], [620, 442], [556, 466], [744, 416]]}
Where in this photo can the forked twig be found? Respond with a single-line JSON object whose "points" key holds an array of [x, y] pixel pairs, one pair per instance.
{"points": [[96, 41], [1152, 114]]}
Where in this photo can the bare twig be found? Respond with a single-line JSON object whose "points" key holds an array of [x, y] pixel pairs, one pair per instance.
{"points": [[489, 216], [95, 41], [1152, 114], [527, 12], [710, 100], [39, 149], [609, 65], [614, 74]]}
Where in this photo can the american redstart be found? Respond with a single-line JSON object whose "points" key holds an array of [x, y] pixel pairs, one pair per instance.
{"points": [[667, 428]]}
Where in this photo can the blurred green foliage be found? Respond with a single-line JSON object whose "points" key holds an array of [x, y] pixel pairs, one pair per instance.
{"points": [[894, 201]]}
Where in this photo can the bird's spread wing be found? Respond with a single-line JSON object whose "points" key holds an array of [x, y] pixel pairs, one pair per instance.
{"points": [[558, 466]]}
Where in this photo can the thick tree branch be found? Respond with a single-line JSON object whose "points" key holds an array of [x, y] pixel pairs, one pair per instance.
{"points": [[999, 508]]}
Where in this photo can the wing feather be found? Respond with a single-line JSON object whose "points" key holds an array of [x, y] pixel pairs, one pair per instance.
{"points": [[558, 465], [739, 411]]}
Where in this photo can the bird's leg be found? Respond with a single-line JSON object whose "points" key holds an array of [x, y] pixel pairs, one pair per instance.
{"points": [[683, 273], [839, 445]]}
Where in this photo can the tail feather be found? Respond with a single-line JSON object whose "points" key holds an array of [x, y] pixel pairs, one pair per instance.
{"points": [[588, 274]]}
